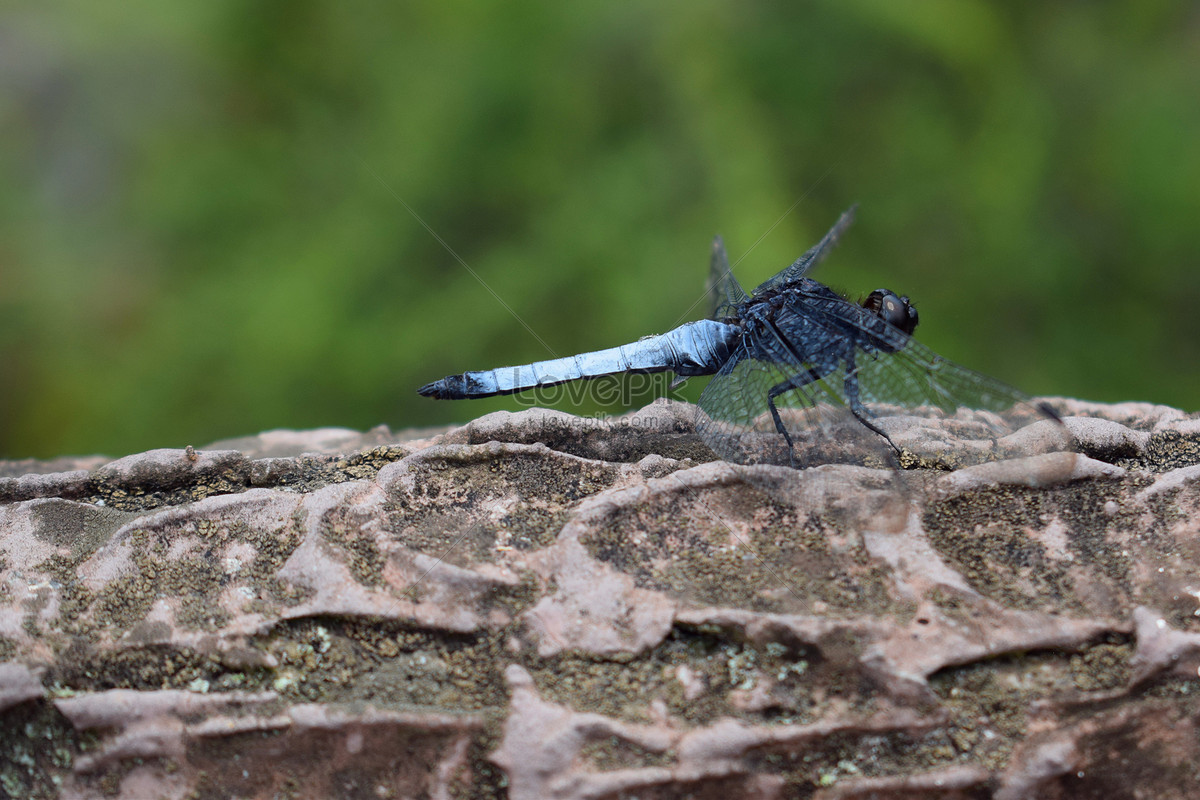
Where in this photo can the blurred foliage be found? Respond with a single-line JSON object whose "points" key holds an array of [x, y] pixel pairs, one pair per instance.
{"points": [[204, 207]]}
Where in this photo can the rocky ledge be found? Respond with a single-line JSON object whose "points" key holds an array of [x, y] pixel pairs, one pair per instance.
{"points": [[540, 606]]}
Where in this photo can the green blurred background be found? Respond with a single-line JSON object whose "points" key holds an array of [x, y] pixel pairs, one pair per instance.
{"points": [[203, 231]]}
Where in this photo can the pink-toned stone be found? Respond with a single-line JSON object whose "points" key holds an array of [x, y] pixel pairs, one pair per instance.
{"points": [[578, 608]]}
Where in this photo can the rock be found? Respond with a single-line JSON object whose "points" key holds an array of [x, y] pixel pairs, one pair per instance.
{"points": [[540, 606]]}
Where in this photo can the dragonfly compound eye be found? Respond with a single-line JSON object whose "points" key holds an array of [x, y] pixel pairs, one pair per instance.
{"points": [[892, 309]]}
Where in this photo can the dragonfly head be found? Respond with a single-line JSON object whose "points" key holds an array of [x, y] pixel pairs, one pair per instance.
{"points": [[894, 310]]}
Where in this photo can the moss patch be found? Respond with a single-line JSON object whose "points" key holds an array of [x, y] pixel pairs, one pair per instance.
{"points": [[40, 746], [734, 547], [986, 536], [694, 673], [990, 700], [469, 521], [1168, 450], [387, 664], [80, 527]]}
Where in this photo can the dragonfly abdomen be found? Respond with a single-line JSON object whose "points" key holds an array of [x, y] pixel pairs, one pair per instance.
{"points": [[697, 348]]}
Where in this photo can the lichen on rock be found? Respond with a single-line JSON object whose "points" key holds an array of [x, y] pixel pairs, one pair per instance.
{"points": [[540, 606]]}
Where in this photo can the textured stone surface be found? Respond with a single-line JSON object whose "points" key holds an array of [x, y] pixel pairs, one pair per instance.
{"points": [[540, 606]]}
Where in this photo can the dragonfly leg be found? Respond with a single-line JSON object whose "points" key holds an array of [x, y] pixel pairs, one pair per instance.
{"points": [[857, 408], [794, 382]]}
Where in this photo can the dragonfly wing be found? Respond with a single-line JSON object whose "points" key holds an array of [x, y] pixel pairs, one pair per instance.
{"points": [[815, 255], [736, 422], [939, 412], [735, 414], [951, 416], [864, 392], [724, 292]]}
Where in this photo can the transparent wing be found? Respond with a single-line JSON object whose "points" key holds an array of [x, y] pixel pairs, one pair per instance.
{"points": [[804, 264], [735, 420], [942, 414], [724, 292], [867, 393]]}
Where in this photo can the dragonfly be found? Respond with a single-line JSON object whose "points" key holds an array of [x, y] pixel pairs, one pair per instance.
{"points": [[803, 376]]}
